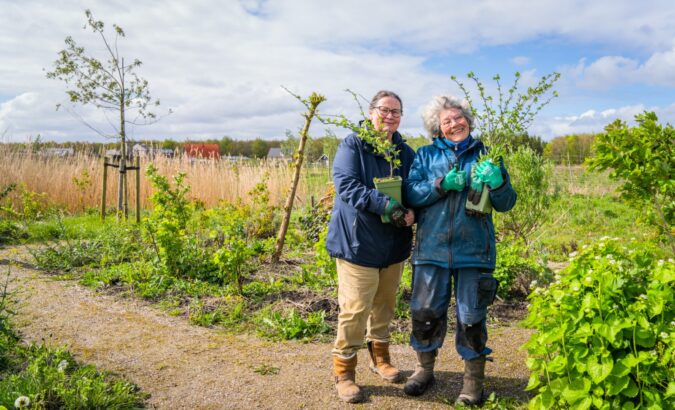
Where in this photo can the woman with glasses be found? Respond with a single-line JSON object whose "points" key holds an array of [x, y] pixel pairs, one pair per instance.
{"points": [[454, 249], [369, 253]]}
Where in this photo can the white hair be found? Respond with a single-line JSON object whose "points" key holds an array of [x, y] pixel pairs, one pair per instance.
{"points": [[432, 112]]}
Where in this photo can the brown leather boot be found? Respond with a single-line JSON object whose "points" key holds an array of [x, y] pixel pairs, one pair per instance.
{"points": [[423, 377], [380, 362], [474, 376], [345, 376]]}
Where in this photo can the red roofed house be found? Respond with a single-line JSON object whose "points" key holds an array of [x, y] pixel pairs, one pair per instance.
{"points": [[205, 151]]}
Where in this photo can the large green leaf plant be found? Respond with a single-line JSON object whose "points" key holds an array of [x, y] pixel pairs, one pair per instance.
{"points": [[605, 331]]}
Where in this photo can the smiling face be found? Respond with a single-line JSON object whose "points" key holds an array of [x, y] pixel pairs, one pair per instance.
{"points": [[453, 125], [388, 121]]}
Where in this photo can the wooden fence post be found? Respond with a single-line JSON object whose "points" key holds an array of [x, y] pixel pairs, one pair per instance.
{"points": [[103, 194], [138, 190]]}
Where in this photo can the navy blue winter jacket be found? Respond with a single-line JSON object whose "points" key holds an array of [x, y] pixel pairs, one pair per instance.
{"points": [[356, 232], [446, 235]]}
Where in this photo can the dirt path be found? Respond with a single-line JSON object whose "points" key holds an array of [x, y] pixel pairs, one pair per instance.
{"points": [[185, 366]]}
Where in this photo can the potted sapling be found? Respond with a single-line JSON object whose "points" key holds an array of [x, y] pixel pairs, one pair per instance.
{"points": [[499, 126]]}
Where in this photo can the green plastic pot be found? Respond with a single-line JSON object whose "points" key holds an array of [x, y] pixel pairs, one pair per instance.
{"points": [[483, 207], [391, 187]]}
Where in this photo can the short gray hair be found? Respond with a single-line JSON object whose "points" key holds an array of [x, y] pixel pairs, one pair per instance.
{"points": [[432, 112], [380, 95]]}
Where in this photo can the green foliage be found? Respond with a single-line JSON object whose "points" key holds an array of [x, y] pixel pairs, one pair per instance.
{"points": [[65, 252], [111, 85], [416, 142], [5, 191], [11, 232], [51, 378], [500, 121], [325, 264], [266, 370], [495, 403], [531, 179], [261, 217], [570, 149], [82, 184], [165, 227], [605, 331], [517, 270], [365, 130], [232, 260], [643, 157], [291, 325], [23, 204], [8, 338]]}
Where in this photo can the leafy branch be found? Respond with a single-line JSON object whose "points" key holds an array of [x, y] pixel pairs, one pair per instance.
{"points": [[511, 113], [366, 130]]}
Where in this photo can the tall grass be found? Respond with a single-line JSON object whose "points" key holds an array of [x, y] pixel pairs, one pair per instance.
{"points": [[211, 181]]}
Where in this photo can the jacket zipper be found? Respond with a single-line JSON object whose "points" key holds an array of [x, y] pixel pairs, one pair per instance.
{"points": [[457, 203]]}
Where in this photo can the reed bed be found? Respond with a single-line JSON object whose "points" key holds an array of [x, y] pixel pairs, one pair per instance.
{"points": [[211, 182]]}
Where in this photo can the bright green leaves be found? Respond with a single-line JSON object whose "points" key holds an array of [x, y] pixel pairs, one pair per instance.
{"points": [[376, 138], [643, 158], [599, 370], [605, 330], [501, 119]]}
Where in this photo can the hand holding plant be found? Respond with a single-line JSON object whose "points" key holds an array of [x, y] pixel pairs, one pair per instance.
{"points": [[490, 174], [395, 213], [455, 180]]}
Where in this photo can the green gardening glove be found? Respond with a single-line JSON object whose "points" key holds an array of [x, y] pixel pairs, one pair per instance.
{"points": [[455, 180], [394, 213], [476, 187], [476, 183], [490, 174]]}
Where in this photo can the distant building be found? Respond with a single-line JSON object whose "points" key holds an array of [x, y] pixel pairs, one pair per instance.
{"points": [[58, 152], [202, 151], [275, 154], [143, 151], [140, 150], [235, 158]]}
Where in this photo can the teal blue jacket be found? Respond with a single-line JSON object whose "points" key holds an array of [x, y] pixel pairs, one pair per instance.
{"points": [[446, 236]]}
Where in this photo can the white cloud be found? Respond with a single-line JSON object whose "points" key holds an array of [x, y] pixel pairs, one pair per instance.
{"points": [[520, 61], [593, 121], [220, 65], [611, 71]]}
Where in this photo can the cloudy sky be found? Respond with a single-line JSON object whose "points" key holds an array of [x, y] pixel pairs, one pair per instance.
{"points": [[220, 65]]}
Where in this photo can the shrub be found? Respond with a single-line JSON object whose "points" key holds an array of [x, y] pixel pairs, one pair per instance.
{"points": [[291, 325], [531, 179], [11, 232], [605, 331], [643, 159], [516, 270]]}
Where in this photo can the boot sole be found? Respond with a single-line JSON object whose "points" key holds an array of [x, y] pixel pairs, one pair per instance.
{"points": [[395, 379], [467, 401], [351, 399], [419, 390]]}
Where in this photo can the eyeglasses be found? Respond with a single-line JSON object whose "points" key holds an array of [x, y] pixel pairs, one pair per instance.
{"points": [[449, 121], [384, 111]]}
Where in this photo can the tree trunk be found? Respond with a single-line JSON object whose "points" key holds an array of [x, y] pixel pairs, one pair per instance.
{"points": [[121, 187], [314, 101]]}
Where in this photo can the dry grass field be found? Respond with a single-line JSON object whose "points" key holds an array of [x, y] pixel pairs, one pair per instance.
{"points": [[211, 181]]}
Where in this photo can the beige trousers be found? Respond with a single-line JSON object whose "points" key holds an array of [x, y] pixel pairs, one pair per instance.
{"points": [[367, 299]]}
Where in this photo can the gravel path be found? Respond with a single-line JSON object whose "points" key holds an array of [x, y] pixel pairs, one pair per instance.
{"points": [[185, 366]]}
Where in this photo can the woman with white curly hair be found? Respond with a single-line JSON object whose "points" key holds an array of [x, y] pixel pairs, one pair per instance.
{"points": [[455, 249]]}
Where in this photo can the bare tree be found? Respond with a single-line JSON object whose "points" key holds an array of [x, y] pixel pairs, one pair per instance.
{"points": [[312, 103], [110, 85]]}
